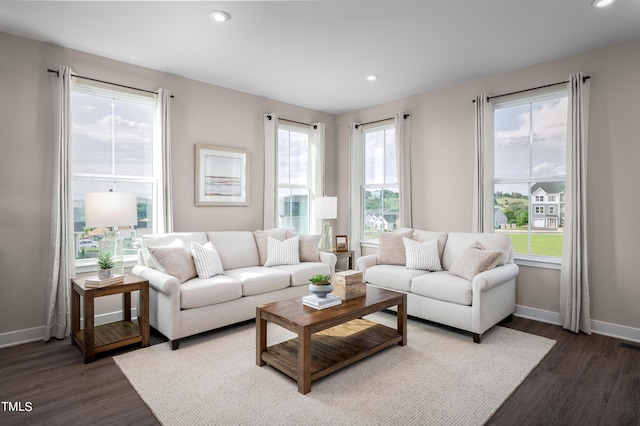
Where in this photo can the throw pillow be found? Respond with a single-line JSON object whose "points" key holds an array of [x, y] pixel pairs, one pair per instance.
{"points": [[475, 260], [175, 260], [391, 247], [423, 256], [261, 240], [206, 259], [308, 247], [282, 252]]}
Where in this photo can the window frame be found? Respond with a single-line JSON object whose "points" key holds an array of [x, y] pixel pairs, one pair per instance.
{"points": [[99, 89], [525, 259], [371, 128]]}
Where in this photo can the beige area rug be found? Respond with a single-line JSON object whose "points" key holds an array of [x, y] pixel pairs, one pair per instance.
{"points": [[440, 378]]}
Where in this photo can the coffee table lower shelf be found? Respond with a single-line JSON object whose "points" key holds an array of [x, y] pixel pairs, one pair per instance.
{"points": [[334, 348]]}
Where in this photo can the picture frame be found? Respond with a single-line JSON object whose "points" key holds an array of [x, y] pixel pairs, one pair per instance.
{"points": [[221, 176], [342, 243]]}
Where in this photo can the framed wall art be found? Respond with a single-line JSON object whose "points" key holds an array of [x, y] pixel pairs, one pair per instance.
{"points": [[222, 176]]}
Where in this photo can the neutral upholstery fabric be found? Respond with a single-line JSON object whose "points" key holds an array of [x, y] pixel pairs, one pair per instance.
{"points": [[199, 292], [423, 236], [258, 279], [391, 247], [394, 277], [443, 286], [282, 252], [422, 255], [261, 240], [308, 247], [151, 240], [301, 272], [175, 260], [237, 249], [459, 242], [206, 260], [475, 260]]}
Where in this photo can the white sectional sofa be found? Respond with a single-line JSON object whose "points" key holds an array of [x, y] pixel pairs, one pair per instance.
{"points": [[180, 309], [463, 294]]}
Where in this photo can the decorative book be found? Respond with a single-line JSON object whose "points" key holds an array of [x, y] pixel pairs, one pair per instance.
{"points": [[95, 282], [321, 302]]}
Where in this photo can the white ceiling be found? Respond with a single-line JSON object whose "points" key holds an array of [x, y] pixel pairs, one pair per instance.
{"points": [[316, 54]]}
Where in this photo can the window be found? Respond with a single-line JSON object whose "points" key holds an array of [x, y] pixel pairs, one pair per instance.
{"points": [[529, 163], [294, 177], [112, 148], [380, 189]]}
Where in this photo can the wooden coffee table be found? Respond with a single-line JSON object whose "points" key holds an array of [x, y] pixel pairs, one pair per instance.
{"points": [[328, 339]]}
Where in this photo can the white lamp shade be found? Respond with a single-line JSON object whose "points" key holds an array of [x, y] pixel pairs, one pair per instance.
{"points": [[110, 209], [326, 207]]}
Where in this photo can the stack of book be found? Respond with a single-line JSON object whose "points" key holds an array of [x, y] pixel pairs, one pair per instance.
{"points": [[321, 302], [95, 282]]}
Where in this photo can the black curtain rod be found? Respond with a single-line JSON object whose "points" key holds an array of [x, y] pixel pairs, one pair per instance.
{"points": [[105, 82], [380, 121], [585, 78], [315, 126]]}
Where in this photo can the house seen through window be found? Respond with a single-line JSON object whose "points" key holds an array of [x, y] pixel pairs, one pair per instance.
{"points": [[529, 173], [112, 149]]}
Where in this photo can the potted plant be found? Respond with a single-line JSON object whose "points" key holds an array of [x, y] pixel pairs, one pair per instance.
{"points": [[105, 266], [320, 285]]}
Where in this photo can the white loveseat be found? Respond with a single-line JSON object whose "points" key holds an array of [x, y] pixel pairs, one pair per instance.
{"points": [[475, 303], [180, 309]]}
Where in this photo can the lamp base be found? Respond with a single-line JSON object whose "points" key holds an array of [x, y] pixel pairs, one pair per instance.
{"points": [[112, 244], [326, 243]]}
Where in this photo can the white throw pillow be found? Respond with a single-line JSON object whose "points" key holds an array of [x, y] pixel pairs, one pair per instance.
{"points": [[206, 259], [282, 252], [422, 256]]}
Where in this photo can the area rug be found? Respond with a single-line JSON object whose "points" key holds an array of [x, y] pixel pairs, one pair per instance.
{"points": [[440, 378]]}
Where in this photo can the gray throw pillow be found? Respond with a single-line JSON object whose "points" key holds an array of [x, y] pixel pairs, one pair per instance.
{"points": [[475, 260], [391, 247]]}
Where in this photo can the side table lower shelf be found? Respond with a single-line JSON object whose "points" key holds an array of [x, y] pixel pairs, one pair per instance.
{"points": [[111, 336]]}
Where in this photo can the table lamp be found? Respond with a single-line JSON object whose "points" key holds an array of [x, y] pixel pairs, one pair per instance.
{"points": [[111, 210], [326, 208]]}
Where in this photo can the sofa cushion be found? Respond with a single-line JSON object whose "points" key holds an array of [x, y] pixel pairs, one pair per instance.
{"points": [[282, 252], [260, 236], [424, 236], [308, 245], [259, 279], [175, 260], [443, 286], [237, 249], [301, 272], [199, 292], [206, 260], [475, 260], [153, 240], [391, 247], [459, 242], [393, 277], [422, 255]]}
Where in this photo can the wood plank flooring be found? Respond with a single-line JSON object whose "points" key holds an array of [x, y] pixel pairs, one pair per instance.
{"points": [[584, 380]]}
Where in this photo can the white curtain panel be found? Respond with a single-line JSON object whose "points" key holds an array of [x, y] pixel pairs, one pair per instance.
{"points": [[574, 275], [403, 165], [163, 129], [317, 172], [482, 219], [61, 248], [270, 171], [355, 178]]}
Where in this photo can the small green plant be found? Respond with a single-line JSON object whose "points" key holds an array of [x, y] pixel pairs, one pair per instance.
{"points": [[105, 261], [320, 280]]}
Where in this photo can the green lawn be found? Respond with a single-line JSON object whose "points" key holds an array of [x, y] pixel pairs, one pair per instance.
{"points": [[542, 244]]}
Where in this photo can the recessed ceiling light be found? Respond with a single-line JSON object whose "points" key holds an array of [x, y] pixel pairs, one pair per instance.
{"points": [[372, 77], [219, 16], [601, 3]]}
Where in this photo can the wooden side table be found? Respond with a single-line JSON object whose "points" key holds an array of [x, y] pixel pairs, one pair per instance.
{"points": [[345, 255], [95, 339]]}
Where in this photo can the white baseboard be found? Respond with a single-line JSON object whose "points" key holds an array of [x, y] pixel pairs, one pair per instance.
{"points": [[19, 337], [598, 327]]}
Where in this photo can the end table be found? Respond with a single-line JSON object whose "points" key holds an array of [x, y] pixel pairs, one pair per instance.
{"points": [[95, 339]]}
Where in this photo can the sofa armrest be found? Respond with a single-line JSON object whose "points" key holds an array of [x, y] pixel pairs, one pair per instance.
{"points": [[365, 262], [330, 259], [159, 281], [494, 277]]}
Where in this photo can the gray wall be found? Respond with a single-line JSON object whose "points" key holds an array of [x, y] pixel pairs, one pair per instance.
{"points": [[442, 171], [442, 137]]}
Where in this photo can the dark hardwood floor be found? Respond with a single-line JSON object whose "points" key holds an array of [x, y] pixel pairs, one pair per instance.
{"points": [[584, 380]]}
